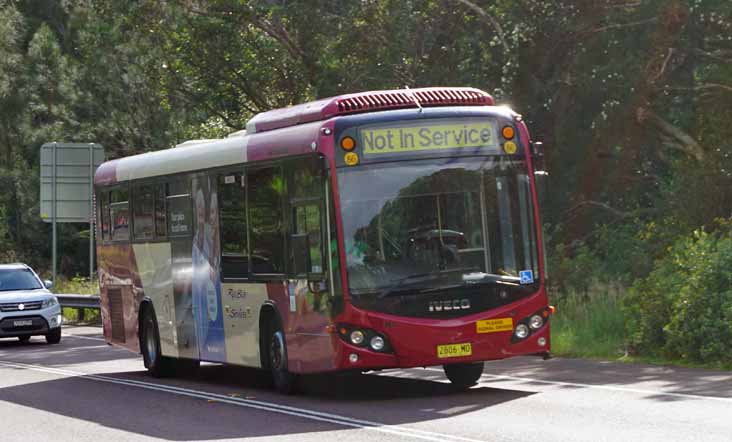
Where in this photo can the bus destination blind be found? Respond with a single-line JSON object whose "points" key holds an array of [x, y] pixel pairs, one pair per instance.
{"points": [[429, 136]]}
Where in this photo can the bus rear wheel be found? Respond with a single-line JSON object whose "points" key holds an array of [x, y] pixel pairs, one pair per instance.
{"points": [[283, 381], [464, 376], [157, 365]]}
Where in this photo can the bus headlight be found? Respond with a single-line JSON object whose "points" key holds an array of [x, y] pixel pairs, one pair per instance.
{"points": [[357, 337], [536, 322], [377, 343], [522, 331]]}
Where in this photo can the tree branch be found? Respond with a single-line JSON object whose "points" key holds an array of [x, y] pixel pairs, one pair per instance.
{"points": [[490, 19], [662, 70], [619, 214], [622, 25], [721, 55], [679, 139], [702, 87]]}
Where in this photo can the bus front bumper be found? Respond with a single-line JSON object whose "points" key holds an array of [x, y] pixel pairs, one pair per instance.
{"points": [[414, 342]]}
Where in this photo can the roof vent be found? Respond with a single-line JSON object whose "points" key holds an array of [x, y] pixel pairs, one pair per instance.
{"points": [[368, 102]]}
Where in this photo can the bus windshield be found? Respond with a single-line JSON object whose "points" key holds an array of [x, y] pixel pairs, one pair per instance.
{"points": [[429, 223]]}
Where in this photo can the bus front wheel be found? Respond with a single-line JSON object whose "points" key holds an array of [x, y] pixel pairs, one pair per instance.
{"points": [[284, 381], [464, 375], [158, 365]]}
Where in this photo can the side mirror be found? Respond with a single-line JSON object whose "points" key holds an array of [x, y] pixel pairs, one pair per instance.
{"points": [[538, 155], [300, 253], [48, 284], [541, 176]]}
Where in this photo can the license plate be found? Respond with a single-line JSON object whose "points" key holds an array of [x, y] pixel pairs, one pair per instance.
{"points": [[24, 323], [494, 325], [454, 350]]}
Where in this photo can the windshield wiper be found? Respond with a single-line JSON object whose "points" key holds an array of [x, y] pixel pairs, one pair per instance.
{"points": [[412, 279], [490, 278], [418, 278]]}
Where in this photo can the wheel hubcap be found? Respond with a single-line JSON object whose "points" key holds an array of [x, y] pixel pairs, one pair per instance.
{"points": [[277, 351]]}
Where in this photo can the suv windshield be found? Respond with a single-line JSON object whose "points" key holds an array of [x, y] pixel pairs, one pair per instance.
{"points": [[18, 279], [429, 223]]}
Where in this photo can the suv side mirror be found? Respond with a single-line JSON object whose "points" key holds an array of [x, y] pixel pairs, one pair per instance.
{"points": [[48, 284]]}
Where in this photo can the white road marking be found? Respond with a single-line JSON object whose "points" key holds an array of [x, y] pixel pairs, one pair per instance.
{"points": [[256, 404], [599, 387], [67, 335]]}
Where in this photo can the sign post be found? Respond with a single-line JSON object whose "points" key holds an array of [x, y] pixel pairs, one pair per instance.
{"points": [[67, 195]]}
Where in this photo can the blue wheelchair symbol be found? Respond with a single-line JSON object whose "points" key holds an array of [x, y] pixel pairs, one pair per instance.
{"points": [[526, 277]]}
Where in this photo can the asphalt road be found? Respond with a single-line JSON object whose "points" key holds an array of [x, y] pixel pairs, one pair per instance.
{"points": [[84, 390]]}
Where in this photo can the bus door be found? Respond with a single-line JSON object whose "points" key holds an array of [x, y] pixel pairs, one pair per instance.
{"points": [[309, 296]]}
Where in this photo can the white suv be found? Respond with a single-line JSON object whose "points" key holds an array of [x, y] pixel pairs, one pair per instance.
{"points": [[27, 307]]}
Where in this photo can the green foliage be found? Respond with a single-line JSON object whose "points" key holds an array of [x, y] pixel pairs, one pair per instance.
{"points": [[90, 315], [683, 309], [632, 100], [77, 285], [589, 325]]}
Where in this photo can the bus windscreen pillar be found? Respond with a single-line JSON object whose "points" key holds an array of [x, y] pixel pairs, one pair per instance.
{"points": [[67, 196]]}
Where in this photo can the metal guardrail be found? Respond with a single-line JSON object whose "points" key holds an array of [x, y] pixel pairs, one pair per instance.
{"points": [[79, 302]]}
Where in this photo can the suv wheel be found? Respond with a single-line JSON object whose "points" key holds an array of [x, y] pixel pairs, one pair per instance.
{"points": [[54, 337]]}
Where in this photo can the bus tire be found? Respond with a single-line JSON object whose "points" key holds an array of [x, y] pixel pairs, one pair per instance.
{"points": [[464, 376], [157, 365], [283, 381]]}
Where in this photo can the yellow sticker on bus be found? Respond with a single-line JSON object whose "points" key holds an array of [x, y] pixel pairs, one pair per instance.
{"points": [[414, 138], [494, 325]]}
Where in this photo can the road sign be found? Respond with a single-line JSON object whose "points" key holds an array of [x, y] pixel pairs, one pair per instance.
{"points": [[69, 168], [67, 178]]}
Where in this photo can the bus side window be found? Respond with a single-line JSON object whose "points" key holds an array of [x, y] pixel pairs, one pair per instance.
{"points": [[233, 226], [142, 212], [103, 204], [120, 214], [161, 218], [178, 205], [307, 221], [306, 200], [266, 189]]}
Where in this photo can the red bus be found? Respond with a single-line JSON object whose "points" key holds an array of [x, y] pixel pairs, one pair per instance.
{"points": [[366, 231]]}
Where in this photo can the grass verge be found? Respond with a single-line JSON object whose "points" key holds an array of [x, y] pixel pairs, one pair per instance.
{"points": [[589, 325], [592, 325]]}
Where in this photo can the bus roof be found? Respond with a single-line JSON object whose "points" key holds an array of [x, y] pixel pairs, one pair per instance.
{"points": [[367, 102], [251, 144]]}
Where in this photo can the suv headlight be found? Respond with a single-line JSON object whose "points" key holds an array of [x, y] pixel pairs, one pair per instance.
{"points": [[50, 302]]}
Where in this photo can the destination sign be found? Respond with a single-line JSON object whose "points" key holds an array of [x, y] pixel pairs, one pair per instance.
{"points": [[429, 136]]}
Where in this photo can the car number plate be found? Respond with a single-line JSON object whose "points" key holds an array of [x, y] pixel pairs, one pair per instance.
{"points": [[23, 323], [454, 350]]}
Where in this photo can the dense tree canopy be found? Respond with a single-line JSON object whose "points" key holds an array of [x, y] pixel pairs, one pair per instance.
{"points": [[632, 98]]}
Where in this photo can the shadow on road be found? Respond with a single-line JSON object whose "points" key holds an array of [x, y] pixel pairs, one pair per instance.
{"points": [[384, 399], [72, 350]]}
